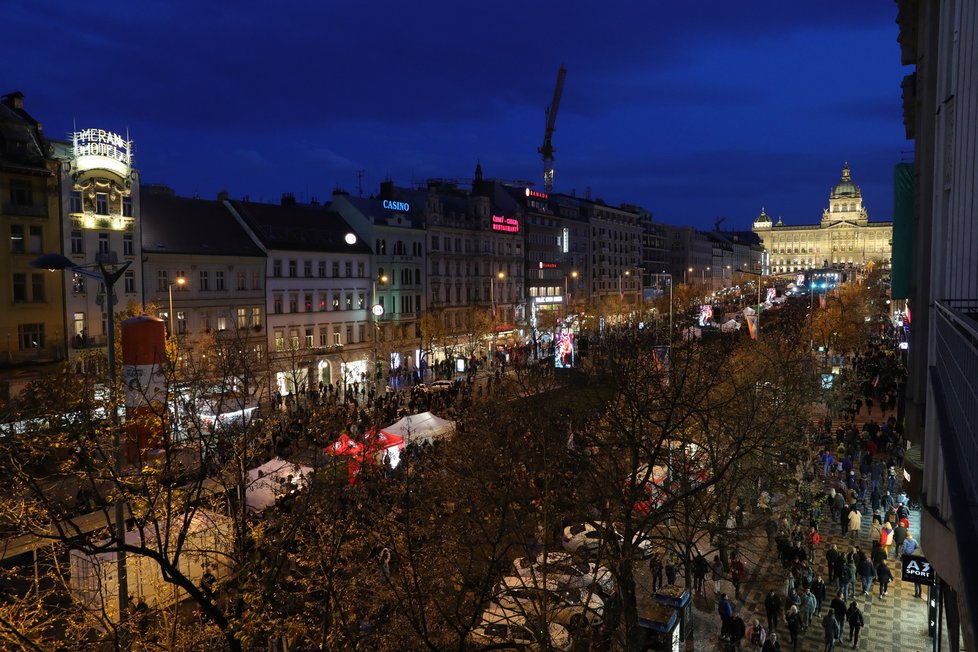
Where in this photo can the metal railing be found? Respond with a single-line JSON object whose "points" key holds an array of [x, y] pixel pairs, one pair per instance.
{"points": [[957, 368]]}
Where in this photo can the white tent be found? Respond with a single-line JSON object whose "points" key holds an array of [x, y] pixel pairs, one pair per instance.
{"points": [[422, 427], [272, 479], [749, 311], [729, 326]]}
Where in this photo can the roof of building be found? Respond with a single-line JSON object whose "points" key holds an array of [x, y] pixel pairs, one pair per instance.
{"points": [[299, 227], [181, 225], [22, 147], [845, 187]]}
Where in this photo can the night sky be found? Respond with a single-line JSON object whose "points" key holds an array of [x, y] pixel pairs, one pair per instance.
{"points": [[692, 110]]}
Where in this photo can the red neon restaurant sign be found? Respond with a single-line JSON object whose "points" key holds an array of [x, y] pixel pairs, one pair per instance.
{"points": [[507, 224], [548, 265], [534, 193]]}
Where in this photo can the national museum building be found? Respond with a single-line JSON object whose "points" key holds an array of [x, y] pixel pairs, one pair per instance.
{"points": [[845, 238]]}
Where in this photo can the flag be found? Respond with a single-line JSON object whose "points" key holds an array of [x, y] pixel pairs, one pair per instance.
{"points": [[752, 325]]}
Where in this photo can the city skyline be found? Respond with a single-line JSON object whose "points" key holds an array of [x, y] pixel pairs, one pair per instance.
{"points": [[693, 117]]}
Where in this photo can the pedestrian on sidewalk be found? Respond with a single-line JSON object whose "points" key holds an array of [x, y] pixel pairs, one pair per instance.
{"points": [[700, 567], [772, 607], [855, 522], [812, 539], [793, 620], [832, 631], [831, 558], [818, 590], [886, 539], [855, 618], [737, 572], [899, 536], [726, 612], [772, 644], [809, 605], [655, 567], [867, 573], [756, 635], [717, 568], [736, 631], [884, 576]]}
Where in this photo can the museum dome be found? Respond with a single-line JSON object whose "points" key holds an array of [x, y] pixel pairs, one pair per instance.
{"points": [[845, 187]]}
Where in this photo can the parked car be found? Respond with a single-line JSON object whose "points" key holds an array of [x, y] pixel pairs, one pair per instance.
{"points": [[576, 608], [500, 629], [440, 386], [560, 569], [590, 537]]}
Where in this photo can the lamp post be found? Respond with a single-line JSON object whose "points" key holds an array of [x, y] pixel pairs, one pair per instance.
{"points": [[688, 269], [492, 303], [654, 278], [376, 312], [180, 281], [704, 271], [572, 275], [108, 277]]}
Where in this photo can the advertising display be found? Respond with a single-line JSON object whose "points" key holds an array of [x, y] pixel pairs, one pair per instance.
{"points": [[917, 569], [564, 350], [98, 149], [706, 314], [771, 293]]}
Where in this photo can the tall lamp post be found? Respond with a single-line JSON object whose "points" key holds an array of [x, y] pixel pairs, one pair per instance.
{"points": [[180, 282], [688, 269], [572, 275], [108, 277], [492, 304], [654, 278], [376, 311]]}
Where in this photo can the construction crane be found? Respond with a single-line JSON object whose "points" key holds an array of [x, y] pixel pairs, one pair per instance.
{"points": [[547, 149]]}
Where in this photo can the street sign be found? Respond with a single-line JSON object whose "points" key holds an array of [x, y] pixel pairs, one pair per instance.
{"points": [[377, 309], [917, 570]]}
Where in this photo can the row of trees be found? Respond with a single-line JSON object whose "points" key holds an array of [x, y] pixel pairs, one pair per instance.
{"points": [[722, 415]]}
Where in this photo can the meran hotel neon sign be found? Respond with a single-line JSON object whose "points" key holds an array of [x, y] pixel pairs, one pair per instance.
{"points": [[98, 149]]}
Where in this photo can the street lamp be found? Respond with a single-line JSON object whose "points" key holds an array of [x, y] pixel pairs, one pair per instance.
{"points": [[573, 275], [492, 302], [376, 311], [690, 270], [108, 277], [180, 282], [704, 271], [654, 279]]}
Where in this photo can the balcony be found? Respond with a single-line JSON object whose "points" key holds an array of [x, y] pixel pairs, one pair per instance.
{"points": [[26, 210]]}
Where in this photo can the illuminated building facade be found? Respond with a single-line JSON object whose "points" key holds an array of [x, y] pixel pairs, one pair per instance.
{"points": [[845, 238], [31, 316], [99, 197]]}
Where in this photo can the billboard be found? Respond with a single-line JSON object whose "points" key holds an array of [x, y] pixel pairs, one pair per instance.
{"points": [[706, 314], [771, 293], [564, 350]]}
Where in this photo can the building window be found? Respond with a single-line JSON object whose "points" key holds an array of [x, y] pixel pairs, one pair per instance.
{"points": [[242, 318], [20, 287], [127, 206], [279, 340], [37, 288], [308, 301], [277, 304], [77, 246], [256, 317], [309, 333], [336, 301], [256, 280], [102, 203], [294, 338], [292, 269], [30, 336], [204, 283], [127, 248], [321, 268], [77, 283], [322, 302], [293, 302], [75, 202], [276, 268], [361, 270], [17, 239], [181, 322], [162, 281], [307, 268], [130, 281], [362, 332], [21, 193], [242, 281], [222, 323], [103, 243], [349, 334], [337, 338], [381, 248], [323, 336], [348, 268], [36, 239], [361, 300], [349, 301], [219, 281]]}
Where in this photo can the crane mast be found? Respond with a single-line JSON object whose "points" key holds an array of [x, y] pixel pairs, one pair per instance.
{"points": [[547, 149]]}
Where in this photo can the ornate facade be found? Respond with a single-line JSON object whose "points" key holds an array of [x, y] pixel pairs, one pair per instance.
{"points": [[845, 238]]}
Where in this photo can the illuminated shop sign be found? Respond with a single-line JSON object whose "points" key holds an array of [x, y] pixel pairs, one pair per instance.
{"points": [[548, 265], [534, 193], [507, 224], [397, 205], [98, 149]]}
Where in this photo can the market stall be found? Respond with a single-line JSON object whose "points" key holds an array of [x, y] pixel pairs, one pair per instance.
{"points": [[420, 428]]}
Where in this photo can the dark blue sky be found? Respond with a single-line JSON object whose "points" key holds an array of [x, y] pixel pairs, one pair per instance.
{"points": [[693, 110]]}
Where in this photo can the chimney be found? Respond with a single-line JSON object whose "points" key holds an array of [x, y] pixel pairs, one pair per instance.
{"points": [[14, 100], [288, 199], [222, 195]]}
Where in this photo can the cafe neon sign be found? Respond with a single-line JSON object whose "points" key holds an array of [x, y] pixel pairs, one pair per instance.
{"points": [[505, 224], [98, 149]]}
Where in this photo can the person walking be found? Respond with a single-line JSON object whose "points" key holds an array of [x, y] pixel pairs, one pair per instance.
{"points": [[818, 590], [736, 631], [899, 536], [886, 538], [717, 568], [812, 539], [809, 605], [655, 567], [867, 573], [793, 620], [832, 631], [884, 576], [756, 636], [855, 522], [726, 612], [772, 607], [700, 567], [737, 572], [855, 618]]}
